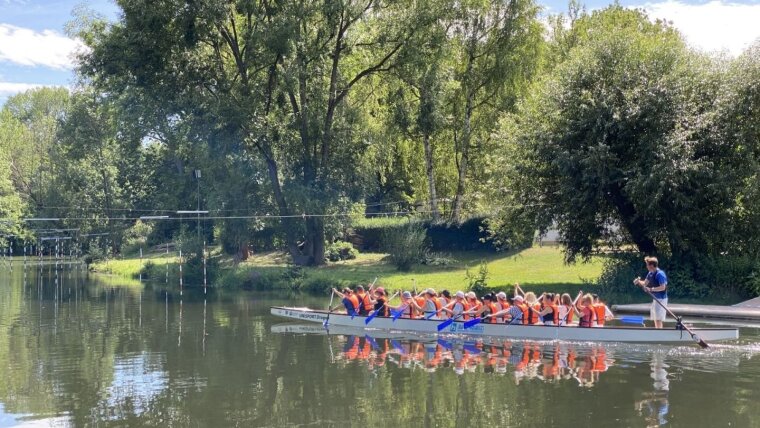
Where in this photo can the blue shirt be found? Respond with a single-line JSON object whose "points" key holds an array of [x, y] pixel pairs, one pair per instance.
{"points": [[516, 315], [656, 279]]}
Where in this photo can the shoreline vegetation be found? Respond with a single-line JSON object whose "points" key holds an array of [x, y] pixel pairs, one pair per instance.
{"points": [[538, 267]]}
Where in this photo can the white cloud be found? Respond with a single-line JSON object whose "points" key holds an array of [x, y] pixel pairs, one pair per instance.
{"points": [[8, 89], [47, 48], [712, 26]]}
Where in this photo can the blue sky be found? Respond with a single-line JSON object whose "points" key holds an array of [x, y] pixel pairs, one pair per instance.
{"points": [[35, 51]]}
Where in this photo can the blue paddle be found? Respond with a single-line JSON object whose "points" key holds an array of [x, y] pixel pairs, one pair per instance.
{"points": [[630, 319], [473, 322], [447, 323], [400, 311]]}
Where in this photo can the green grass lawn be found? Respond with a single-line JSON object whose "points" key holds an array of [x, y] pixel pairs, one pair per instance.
{"points": [[538, 267], [534, 267]]}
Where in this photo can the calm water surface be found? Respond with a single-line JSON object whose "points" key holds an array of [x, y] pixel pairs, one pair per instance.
{"points": [[99, 353]]}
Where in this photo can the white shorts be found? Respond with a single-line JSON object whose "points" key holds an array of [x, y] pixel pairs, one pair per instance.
{"points": [[657, 312]]}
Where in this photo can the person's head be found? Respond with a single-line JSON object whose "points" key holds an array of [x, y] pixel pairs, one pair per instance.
{"points": [[488, 298], [360, 289], [652, 263], [501, 295], [430, 292], [567, 300], [380, 291], [406, 295], [347, 291], [587, 300], [518, 299], [472, 296], [446, 294], [459, 295], [596, 297], [548, 298], [530, 297]]}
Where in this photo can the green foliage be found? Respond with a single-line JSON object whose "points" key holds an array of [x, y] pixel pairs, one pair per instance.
{"points": [[406, 246], [478, 282], [621, 144], [470, 235], [438, 259], [340, 250]]}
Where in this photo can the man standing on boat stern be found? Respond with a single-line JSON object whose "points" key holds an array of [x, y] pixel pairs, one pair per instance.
{"points": [[657, 283]]}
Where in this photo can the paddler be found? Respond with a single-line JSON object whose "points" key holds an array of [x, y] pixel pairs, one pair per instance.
{"points": [[567, 309], [603, 313], [502, 303], [657, 284], [445, 299], [516, 312], [586, 309], [349, 300], [488, 309], [408, 305], [365, 300], [381, 302], [549, 312], [432, 306], [457, 307]]}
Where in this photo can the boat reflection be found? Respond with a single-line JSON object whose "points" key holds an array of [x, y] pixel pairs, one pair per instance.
{"points": [[521, 360]]}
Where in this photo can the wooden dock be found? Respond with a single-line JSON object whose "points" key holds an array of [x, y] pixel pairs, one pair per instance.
{"points": [[749, 310]]}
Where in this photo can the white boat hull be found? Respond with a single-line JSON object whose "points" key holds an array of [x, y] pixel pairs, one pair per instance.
{"points": [[532, 332]]}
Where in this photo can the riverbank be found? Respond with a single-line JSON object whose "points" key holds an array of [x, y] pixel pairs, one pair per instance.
{"points": [[538, 267]]}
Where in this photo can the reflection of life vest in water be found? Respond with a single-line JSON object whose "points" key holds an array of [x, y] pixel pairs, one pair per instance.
{"points": [[352, 348], [600, 360], [365, 350]]}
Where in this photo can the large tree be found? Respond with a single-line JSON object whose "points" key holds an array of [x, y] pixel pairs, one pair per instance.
{"points": [[278, 74], [622, 140]]}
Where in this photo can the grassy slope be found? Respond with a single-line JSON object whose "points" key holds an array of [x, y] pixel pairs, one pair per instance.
{"points": [[538, 266]]}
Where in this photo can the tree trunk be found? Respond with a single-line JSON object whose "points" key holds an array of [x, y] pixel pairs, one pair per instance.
{"points": [[282, 206], [632, 221], [315, 241], [430, 176], [463, 160]]}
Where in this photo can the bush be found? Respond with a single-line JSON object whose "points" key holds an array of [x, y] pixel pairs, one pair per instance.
{"points": [[338, 251], [472, 234], [438, 259], [478, 282], [405, 246]]}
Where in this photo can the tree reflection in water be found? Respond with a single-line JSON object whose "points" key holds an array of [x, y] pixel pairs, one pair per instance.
{"points": [[521, 360]]}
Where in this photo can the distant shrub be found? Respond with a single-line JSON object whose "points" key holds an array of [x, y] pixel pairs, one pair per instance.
{"points": [[478, 282], [339, 251], [405, 246], [438, 259]]}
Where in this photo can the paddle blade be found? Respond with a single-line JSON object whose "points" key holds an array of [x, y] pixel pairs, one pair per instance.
{"points": [[371, 317], [632, 320], [472, 322], [445, 324], [431, 315]]}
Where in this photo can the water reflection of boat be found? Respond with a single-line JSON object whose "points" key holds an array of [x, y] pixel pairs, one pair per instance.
{"points": [[535, 332], [523, 360]]}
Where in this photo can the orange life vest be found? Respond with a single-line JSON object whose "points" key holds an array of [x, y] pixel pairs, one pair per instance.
{"points": [[492, 309], [533, 315], [555, 313], [570, 313], [599, 310], [364, 300], [437, 304], [355, 302], [524, 309], [421, 303], [465, 308]]}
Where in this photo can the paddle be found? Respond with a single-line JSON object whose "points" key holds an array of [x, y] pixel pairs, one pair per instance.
{"points": [[632, 319], [377, 311], [329, 311], [399, 312], [447, 323], [473, 322], [679, 324]]}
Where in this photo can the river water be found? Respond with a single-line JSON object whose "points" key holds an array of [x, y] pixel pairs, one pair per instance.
{"points": [[90, 352]]}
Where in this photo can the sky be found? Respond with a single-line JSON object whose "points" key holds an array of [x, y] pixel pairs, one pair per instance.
{"points": [[35, 50]]}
